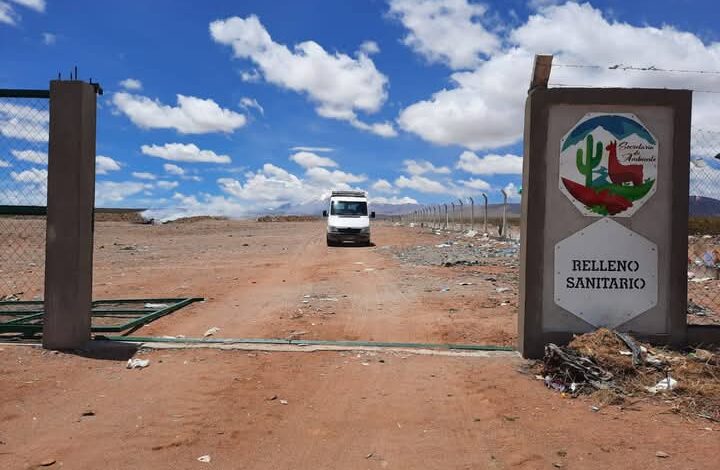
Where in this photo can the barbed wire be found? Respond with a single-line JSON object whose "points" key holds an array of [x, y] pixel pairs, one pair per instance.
{"points": [[635, 68], [566, 85]]}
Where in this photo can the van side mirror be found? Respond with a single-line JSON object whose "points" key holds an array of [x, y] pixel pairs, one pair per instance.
{"points": [[324, 213], [372, 214]]}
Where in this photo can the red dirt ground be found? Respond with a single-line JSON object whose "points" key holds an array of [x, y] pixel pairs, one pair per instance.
{"points": [[350, 410]]}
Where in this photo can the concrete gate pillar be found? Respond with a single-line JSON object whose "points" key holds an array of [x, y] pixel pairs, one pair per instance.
{"points": [[604, 215], [70, 206]]}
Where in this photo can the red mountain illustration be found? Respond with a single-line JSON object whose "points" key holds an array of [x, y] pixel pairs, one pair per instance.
{"points": [[592, 198]]}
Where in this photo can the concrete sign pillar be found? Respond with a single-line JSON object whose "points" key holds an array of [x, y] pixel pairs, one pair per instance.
{"points": [[604, 215], [70, 205]]}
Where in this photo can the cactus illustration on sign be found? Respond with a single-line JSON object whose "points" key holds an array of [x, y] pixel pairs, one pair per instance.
{"points": [[587, 165]]}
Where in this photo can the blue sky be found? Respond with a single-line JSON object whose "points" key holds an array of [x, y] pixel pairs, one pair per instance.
{"points": [[411, 100]]}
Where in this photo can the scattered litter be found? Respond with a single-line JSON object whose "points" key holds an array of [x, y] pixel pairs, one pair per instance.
{"points": [[156, 306], [306, 296], [137, 363], [698, 310], [47, 462], [470, 233], [328, 299], [358, 262], [661, 455], [614, 368], [465, 283], [11, 297], [283, 402], [369, 269], [701, 279], [88, 413], [445, 289], [272, 398], [204, 459], [668, 383], [365, 363], [211, 331], [500, 290], [443, 245]]}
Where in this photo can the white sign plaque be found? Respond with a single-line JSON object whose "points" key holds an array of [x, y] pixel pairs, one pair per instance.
{"points": [[606, 274]]}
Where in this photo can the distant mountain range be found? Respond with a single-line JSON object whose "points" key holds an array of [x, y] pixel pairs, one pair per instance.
{"points": [[701, 206], [316, 208]]}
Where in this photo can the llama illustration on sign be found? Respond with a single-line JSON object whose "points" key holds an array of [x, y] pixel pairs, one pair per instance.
{"points": [[608, 164]]}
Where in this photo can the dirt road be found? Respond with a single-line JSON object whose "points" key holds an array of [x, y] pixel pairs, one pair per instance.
{"points": [[320, 410], [276, 280]]}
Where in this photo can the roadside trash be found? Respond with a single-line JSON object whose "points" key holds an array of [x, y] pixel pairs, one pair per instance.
{"points": [[155, 306], [470, 233], [369, 269], [204, 459], [565, 368], [445, 289], [662, 455], [500, 290], [465, 283], [667, 383], [137, 363], [11, 297], [211, 331], [283, 402], [272, 398], [698, 310], [442, 245], [701, 279], [47, 462]]}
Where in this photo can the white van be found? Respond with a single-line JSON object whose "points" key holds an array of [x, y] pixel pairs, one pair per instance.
{"points": [[348, 219]]}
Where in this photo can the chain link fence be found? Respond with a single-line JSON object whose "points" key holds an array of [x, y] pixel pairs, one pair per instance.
{"points": [[24, 119], [704, 228]]}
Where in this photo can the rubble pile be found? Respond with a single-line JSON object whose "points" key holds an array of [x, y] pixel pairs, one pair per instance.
{"points": [[614, 367], [461, 252]]}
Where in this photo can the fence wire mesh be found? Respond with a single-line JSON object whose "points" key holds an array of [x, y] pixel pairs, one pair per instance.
{"points": [[23, 195], [704, 228]]}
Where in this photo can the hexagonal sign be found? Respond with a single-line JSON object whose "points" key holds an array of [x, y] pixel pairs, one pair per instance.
{"points": [[606, 274], [608, 164]]}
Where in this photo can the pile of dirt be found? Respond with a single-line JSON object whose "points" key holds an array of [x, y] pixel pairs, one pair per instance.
{"points": [[197, 218], [614, 368], [286, 218], [132, 216]]}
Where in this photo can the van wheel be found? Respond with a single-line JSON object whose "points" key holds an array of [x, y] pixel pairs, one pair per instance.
{"points": [[330, 243]]}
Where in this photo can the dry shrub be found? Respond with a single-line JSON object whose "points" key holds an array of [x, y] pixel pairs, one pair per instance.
{"points": [[698, 375]]}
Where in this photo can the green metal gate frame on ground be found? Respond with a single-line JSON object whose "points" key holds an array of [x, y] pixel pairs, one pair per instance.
{"points": [[27, 315]]}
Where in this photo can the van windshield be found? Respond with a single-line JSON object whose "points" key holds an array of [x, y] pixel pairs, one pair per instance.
{"points": [[352, 208]]}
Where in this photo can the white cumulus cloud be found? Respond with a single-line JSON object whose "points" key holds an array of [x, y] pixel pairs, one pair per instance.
{"points": [[105, 164], [394, 200], [421, 167], [191, 115], [112, 192], [248, 103], [490, 164], [446, 31], [421, 184], [184, 153], [33, 156], [131, 84], [167, 184], [143, 175], [338, 84], [173, 169], [382, 186], [311, 160], [484, 108]]}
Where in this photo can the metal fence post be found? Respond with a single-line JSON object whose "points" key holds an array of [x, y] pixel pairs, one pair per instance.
{"points": [[472, 213], [446, 216], [70, 205], [460, 220], [504, 214], [486, 215]]}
